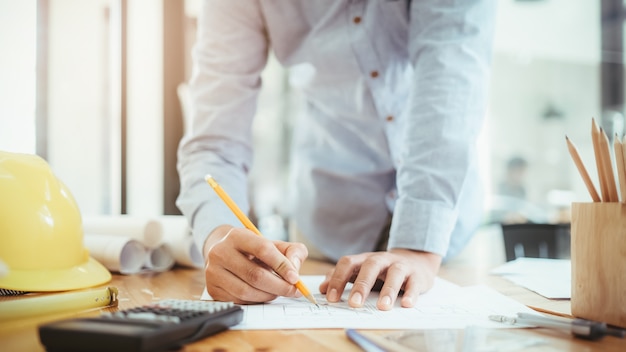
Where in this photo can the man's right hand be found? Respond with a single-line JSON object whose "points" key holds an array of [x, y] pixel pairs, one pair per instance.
{"points": [[245, 268]]}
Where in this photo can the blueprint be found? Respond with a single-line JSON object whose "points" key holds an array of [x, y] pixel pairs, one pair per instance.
{"points": [[445, 306]]}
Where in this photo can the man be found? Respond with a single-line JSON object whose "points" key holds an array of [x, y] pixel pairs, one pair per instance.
{"points": [[394, 110]]}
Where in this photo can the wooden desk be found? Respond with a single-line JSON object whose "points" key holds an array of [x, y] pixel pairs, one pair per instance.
{"points": [[184, 283]]}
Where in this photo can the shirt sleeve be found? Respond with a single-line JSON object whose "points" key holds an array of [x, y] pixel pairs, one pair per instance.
{"points": [[228, 57], [450, 48]]}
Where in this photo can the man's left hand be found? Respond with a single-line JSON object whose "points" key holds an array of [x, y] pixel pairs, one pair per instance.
{"points": [[399, 269]]}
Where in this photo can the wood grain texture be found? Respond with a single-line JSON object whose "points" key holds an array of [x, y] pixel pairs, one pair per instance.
{"points": [[599, 262]]}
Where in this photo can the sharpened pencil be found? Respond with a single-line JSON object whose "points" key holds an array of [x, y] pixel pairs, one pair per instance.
{"points": [[582, 170], [618, 148], [595, 137], [250, 226], [607, 165]]}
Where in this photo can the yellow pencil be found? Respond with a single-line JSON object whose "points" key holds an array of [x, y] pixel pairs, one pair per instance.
{"points": [[250, 226]]}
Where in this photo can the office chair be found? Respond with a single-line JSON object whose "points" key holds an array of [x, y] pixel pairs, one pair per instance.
{"points": [[536, 240]]}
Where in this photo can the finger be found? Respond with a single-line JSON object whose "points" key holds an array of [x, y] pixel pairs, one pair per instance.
{"points": [[220, 294], [218, 278], [365, 280], [324, 285], [412, 290], [394, 279], [256, 275], [267, 252], [343, 273], [292, 288], [295, 252], [261, 276]]}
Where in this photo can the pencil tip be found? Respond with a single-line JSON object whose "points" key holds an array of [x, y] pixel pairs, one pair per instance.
{"points": [[207, 177], [312, 299]]}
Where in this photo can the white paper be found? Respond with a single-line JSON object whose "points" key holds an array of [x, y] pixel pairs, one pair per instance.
{"points": [[146, 230], [177, 235], [551, 278], [117, 253], [153, 232], [445, 306]]}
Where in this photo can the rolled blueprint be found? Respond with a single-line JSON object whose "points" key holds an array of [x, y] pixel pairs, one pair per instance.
{"points": [[159, 259], [186, 252], [147, 230], [177, 236], [117, 253]]}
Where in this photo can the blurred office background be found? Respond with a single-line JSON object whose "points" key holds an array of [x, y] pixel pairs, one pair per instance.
{"points": [[98, 89]]}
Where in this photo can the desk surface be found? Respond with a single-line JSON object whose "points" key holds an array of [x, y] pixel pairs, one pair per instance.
{"points": [[184, 283]]}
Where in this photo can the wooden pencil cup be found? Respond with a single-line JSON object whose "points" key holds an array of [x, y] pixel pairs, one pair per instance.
{"points": [[598, 253]]}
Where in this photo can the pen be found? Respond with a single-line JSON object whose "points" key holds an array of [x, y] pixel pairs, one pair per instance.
{"points": [[586, 329], [250, 226], [366, 344]]}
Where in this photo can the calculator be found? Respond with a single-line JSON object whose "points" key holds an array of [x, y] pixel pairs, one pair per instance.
{"points": [[162, 326]]}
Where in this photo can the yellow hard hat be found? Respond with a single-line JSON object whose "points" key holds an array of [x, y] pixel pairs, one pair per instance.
{"points": [[41, 233]]}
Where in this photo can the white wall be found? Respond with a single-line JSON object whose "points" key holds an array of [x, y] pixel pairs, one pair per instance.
{"points": [[77, 106], [17, 75], [84, 106], [145, 108], [559, 30]]}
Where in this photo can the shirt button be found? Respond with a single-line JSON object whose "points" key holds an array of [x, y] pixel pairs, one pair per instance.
{"points": [[356, 20], [374, 74], [389, 118]]}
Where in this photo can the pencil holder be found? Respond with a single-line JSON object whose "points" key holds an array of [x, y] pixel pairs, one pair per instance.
{"points": [[598, 253]]}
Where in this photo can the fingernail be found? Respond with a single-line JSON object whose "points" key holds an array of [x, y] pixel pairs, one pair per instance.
{"points": [[356, 299], [407, 301], [332, 295], [386, 301]]}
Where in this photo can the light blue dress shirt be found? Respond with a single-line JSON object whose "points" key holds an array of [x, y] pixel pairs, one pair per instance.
{"points": [[394, 110]]}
